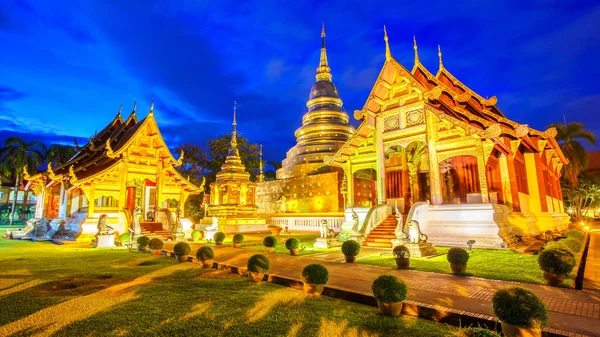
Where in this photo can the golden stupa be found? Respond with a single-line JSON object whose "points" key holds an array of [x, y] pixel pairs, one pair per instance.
{"points": [[232, 195]]}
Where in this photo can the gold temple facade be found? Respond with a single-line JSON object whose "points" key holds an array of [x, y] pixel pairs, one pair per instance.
{"points": [[232, 195], [125, 165]]}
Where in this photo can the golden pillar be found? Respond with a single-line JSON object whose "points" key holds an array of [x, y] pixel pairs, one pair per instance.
{"points": [[91, 200], [349, 183], [435, 183], [380, 159], [485, 197], [159, 184], [123, 185], [535, 202]]}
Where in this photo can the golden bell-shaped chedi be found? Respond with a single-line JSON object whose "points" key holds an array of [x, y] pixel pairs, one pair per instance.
{"points": [[324, 127], [232, 195]]}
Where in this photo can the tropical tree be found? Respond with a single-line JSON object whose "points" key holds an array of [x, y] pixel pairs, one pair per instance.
{"points": [[570, 137], [14, 156], [59, 154]]}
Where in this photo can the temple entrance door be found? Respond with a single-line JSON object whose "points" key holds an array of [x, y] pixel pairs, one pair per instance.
{"points": [[365, 194], [130, 203], [150, 203], [460, 180]]}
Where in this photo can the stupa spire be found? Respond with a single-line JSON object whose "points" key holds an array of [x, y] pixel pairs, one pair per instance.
{"points": [[440, 56], [416, 49], [233, 150], [323, 70], [388, 53], [152, 106]]}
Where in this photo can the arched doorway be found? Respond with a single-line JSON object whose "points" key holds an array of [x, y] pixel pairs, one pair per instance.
{"points": [[407, 175]]}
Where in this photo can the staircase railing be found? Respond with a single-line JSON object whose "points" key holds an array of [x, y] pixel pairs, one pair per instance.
{"points": [[374, 218]]}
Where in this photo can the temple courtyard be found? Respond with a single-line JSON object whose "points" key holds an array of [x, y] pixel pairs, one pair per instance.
{"points": [[72, 289]]}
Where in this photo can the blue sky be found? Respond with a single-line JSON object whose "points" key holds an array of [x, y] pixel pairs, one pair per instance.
{"points": [[66, 66]]}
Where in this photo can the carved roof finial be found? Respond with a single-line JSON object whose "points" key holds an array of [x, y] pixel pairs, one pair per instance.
{"points": [[120, 108], [152, 106], [134, 106], [416, 49], [233, 149], [323, 70], [388, 53], [440, 56]]}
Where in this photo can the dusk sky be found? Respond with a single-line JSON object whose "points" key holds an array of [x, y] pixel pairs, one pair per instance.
{"points": [[66, 66]]}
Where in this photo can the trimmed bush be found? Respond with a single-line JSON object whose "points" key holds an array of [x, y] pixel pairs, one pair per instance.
{"points": [[572, 244], [205, 253], [219, 237], [554, 245], [143, 240], [155, 244], [351, 248], [182, 248], [124, 238], [197, 235], [457, 256], [401, 252], [389, 289], [259, 263], [519, 307], [476, 332], [270, 241], [315, 274], [575, 234], [292, 243], [557, 261], [238, 238]]}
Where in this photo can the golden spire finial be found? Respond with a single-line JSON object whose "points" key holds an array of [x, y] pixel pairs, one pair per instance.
{"points": [[440, 56], [260, 164], [134, 106], [388, 53], [416, 49], [233, 149], [120, 108], [152, 106], [323, 70]]}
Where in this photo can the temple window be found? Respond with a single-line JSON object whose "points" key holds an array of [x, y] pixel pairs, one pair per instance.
{"points": [[106, 201]]}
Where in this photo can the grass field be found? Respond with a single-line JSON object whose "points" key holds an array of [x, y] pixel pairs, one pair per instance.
{"points": [[64, 291], [497, 264]]}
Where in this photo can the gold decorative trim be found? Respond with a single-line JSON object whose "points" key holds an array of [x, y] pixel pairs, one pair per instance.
{"points": [[550, 132], [72, 175], [493, 131], [514, 146], [542, 144], [522, 130], [26, 175], [179, 161], [109, 151]]}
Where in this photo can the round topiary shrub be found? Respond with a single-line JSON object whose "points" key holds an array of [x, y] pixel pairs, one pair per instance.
{"points": [[155, 244], [557, 261], [401, 252], [124, 238], [182, 248], [575, 234], [457, 256], [476, 332], [389, 289], [259, 264], [238, 238], [270, 241], [143, 241], [554, 245], [205, 253], [519, 307], [292, 243], [219, 237], [315, 274], [572, 244], [197, 235], [351, 248]]}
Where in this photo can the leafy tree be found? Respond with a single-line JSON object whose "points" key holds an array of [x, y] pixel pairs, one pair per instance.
{"points": [[15, 155], [217, 152], [59, 154], [570, 136], [194, 168]]}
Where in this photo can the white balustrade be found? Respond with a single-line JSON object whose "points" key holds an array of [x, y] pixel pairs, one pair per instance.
{"points": [[306, 223]]}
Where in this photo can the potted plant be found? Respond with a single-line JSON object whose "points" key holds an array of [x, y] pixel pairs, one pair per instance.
{"points": [[197, 235], [275, 230], [205, 255], [402, 255], [315, 277], [156, 245], [350, 248], [142, 242], [556, 264], [458, 258], [237, 240], [219, 237], [520, 311], [270, 242], [182, 250], [258, 266], [389, 291], [292, 244]]}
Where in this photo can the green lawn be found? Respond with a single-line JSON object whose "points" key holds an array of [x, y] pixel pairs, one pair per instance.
{"points": [[64, 291], [496, 264]]}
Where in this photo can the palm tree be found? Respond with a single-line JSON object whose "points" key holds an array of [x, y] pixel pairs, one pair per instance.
{"points": [[14, 156], [59, 154], [569, 136]]}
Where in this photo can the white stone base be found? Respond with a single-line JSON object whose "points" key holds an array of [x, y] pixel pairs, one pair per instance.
{"points": [[327, 243], [105, 241]]}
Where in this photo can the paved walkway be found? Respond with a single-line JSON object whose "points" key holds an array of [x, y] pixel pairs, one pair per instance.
{"points": [[569, 310], [591, 278]]}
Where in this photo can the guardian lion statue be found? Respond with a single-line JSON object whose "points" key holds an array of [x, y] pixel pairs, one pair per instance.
{"points": [[103, 228], [414, 232]]}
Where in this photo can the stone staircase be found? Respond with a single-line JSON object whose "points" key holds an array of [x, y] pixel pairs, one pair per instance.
{"points": [[382, 235], [154, 230]]}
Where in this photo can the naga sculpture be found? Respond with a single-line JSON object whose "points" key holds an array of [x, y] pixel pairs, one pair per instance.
{"points": [[103, 228], [414, 233]]}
